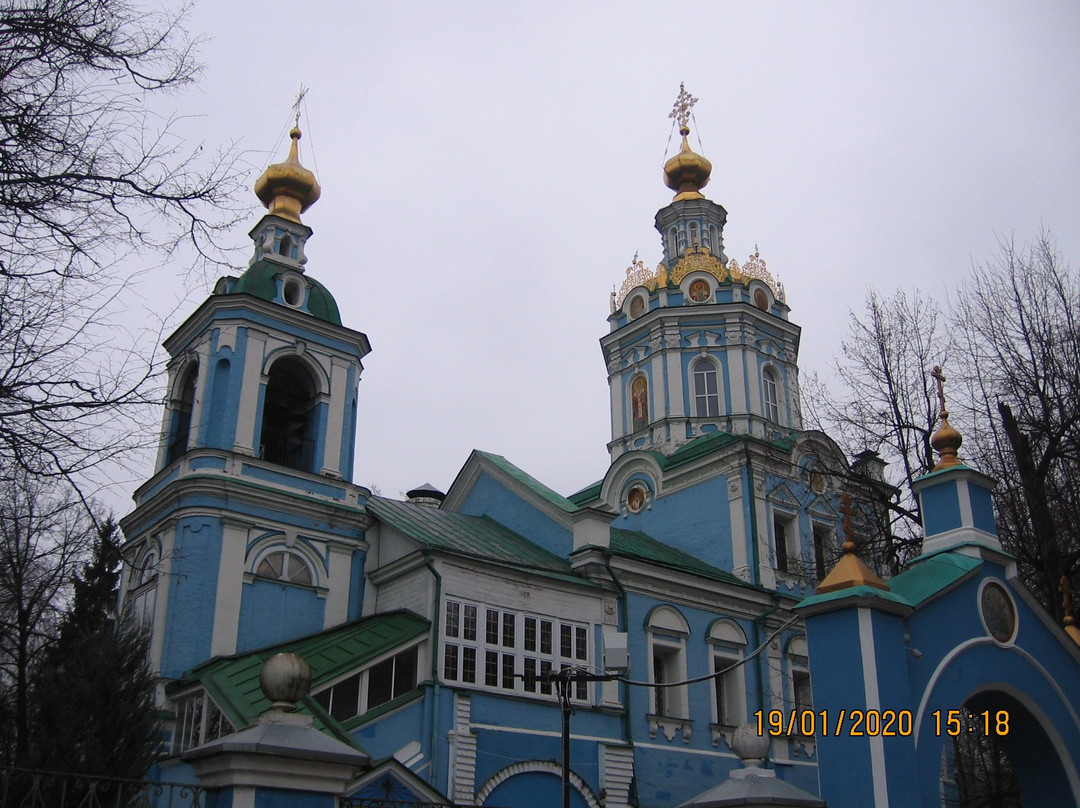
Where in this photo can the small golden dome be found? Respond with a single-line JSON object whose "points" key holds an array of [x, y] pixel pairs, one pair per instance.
{"points": [[687, 172], [946, 442], [288, 189]]}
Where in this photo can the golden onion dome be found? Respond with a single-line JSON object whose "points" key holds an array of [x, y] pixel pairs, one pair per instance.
{"points": [[687, 172], [288, 189]]}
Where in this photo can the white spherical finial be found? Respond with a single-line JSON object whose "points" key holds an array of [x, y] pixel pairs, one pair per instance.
{"points": [[750, 746], [285, 679]]}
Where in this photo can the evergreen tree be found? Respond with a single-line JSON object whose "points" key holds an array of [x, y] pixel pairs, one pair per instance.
{"points": [[94, 693]]}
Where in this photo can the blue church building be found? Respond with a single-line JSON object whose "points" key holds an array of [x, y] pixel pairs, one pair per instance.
{"points": [[712, 571]]}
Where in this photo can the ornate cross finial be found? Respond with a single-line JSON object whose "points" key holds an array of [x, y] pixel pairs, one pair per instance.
{"points": [[684, 103], [937, 374], [296, 105]]}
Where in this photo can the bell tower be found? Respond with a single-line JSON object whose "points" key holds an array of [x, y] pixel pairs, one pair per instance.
{"points": [[250, 532], [700, 344]]}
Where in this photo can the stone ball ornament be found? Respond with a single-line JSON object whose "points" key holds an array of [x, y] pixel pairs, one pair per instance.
{"points": [[285, 679], [749, 745]]}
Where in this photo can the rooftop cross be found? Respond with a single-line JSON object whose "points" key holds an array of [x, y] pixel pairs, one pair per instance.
{"points": [[847, 511], [937, 374], [684, 103], [296, 105]]}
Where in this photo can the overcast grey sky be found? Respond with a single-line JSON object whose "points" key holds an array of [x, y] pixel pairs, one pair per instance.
{"points": [[490, 168]]}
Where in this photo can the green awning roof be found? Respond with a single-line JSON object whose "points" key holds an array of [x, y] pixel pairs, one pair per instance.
{"points": [[233, 682]]}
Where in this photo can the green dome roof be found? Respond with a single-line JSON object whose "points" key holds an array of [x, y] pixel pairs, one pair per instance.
{"points": [[261, 281]]}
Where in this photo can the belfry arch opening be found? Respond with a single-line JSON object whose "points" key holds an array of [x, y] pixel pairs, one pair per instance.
{"points": [[290, 415], [182, 406]]}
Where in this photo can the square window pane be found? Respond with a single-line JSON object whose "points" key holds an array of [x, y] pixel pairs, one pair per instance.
{"points": [[509, 620], [470, 623], [453, 618], [450, 663], [468, 665]]}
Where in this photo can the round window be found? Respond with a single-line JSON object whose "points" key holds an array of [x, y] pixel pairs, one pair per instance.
{"points": [[761, 300], [637, 306], [998, 612], [699, 291], [635, 499], [293, 292]]}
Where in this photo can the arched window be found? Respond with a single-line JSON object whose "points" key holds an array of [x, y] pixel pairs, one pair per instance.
{"points": [[639, 401], [282, 565], [182, 406], [727, 642], [768, 393], [706, 242], [801, 695], [706, 395], [289, 416], [695, 239], [672, 244], [142, 588], [682, 241], [668, 631]]}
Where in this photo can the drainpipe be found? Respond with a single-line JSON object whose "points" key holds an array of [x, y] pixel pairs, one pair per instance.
{"points": [[433, 713], [623, 620], [755, 578]]}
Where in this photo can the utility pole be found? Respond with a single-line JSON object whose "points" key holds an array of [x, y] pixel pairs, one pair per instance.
{"points": [[563, 679]]}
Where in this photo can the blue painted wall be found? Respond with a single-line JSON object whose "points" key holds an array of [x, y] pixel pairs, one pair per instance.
{"points": [[273, 612], [489, 497], [192, 583]]}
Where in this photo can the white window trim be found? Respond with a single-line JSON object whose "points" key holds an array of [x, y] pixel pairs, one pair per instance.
{"points": [[712, 364]]}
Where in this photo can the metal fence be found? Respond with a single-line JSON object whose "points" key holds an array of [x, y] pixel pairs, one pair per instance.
{"points": [[20, 788]]}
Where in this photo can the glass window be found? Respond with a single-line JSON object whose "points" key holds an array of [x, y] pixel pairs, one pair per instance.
{"points": [[453, 618], [780, 536], [706, 395], [514, 649], [768, 388], [284, 566]]}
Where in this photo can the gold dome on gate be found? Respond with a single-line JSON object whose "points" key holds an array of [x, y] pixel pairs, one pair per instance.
{"points": [[288, 189], [687, 172]]}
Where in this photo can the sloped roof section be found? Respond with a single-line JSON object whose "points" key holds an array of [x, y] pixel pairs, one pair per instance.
{"points": [[635, 544], [475, 536], [530, 482], [233, 681]]}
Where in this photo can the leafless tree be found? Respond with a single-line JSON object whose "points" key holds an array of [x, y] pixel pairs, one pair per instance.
{"points": [[879, 398], [89, 176], [1013, 389], [45, 534], [1019, 321]]}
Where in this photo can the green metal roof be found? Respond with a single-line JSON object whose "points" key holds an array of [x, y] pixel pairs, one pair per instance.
{"points": [[588, 494], [233, 681], [260, 281], [635, 544], [534, 485], [475, 536], [930, 575]]}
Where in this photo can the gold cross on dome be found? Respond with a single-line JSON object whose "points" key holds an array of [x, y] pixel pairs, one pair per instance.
{"points": [[848, 512], [937, 374], [684, 103], [296, 105]]}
